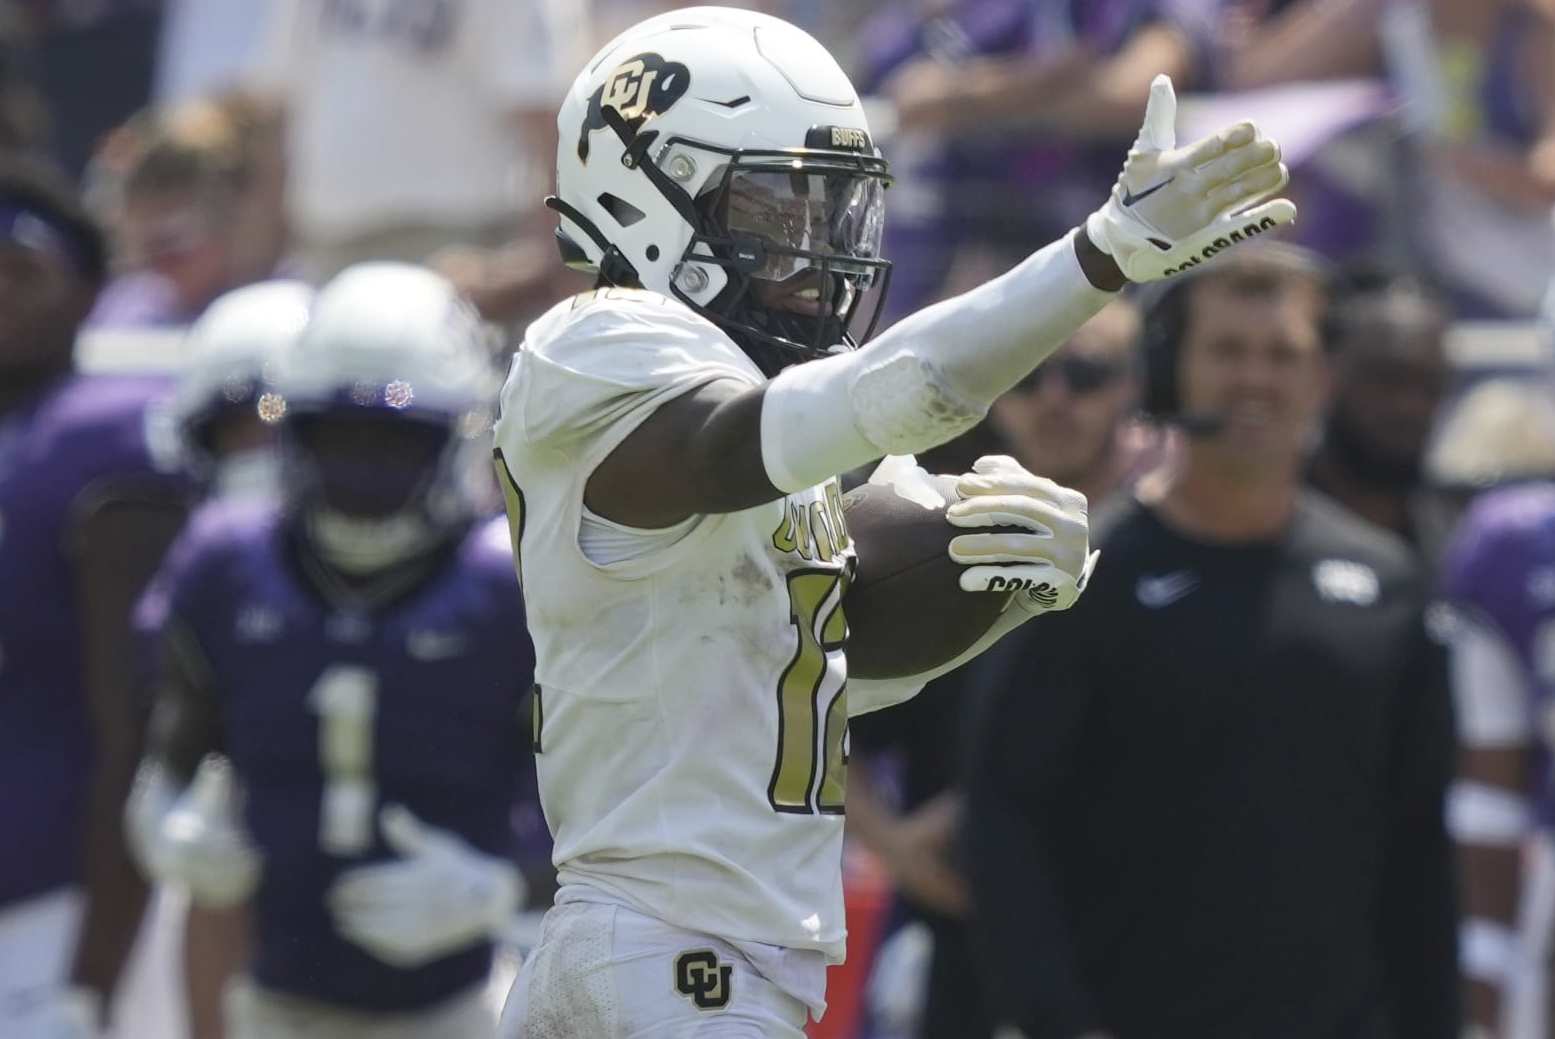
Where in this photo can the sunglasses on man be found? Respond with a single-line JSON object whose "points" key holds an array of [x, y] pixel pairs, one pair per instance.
{"points": [[1082, 375]]}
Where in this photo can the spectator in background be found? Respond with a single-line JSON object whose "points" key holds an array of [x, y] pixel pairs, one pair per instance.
{"points": [[1389, 365], [1069, 422], [423, 131], [92, 63], [1069, 419], [1037, 98], [1478, 80], [85, 518], [1250, 44], [1208, 801], [24, 116], [194, 190]]}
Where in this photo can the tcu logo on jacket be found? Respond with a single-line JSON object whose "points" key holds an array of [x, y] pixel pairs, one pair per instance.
{"points": [[702, 979]]}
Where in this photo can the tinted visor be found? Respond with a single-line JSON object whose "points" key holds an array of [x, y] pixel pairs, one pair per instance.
{"points": [[784, 222]]}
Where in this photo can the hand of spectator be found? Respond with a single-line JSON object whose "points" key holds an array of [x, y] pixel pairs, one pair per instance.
{"points": [[917, 855], [1520, 182], [1173, 208], [926, 94], [938, 96]]}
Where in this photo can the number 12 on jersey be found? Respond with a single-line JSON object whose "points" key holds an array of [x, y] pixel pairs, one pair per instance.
{"points": [[806, 704]]}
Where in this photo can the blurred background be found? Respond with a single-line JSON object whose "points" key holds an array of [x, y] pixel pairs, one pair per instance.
{"points": [[227, 142]]}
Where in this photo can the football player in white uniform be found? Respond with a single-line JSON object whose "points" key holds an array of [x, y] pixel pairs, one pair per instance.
{"points": [[669, 446]]}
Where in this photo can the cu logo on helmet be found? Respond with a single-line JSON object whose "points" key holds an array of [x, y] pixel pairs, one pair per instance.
{"points": [[638, 89], [703, 980]]}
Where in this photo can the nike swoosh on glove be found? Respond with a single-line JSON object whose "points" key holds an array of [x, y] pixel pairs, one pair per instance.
{"points": [[440, 896], [1041, 551], [1173, 208]]}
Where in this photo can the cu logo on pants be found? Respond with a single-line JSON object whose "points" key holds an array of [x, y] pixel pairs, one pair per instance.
{"points": [[702, 979]]}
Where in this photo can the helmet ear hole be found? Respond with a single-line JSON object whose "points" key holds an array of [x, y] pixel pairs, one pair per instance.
{"points": [[620, 210], [652, 252]]}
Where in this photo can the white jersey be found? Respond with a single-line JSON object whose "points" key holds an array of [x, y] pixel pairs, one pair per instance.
{"points": [[692, 707]]}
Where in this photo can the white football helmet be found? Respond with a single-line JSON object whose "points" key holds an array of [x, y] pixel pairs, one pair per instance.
{"points": [[722, 157], [397, 366], [230, 352]]}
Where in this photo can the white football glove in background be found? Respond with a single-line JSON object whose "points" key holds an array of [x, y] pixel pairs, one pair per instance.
{"points": [[1045, 559], [441, 896], [200, 842], [1173, 208]]}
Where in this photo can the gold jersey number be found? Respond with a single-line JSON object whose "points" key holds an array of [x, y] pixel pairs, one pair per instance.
{"points": [[815, 598]]}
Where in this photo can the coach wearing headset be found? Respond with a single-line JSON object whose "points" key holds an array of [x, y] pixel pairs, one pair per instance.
{"points": [[1208, 802]]}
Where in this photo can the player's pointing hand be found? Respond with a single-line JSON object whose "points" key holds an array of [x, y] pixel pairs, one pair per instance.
{"points": [[1173, 208]]}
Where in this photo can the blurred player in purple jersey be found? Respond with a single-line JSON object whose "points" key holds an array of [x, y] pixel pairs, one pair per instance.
{"points": [[1500, 576], [84, 517], [358, 653]]}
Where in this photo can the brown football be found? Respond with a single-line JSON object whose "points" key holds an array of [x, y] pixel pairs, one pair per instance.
{"points": [[906, 611]]}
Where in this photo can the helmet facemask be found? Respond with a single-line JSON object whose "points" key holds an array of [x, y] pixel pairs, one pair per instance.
{"points": [[797, 233], [374, 489]]}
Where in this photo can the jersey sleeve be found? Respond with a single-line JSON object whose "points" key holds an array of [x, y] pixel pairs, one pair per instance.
{"points": [[596, 367], [1485, 567], [1483, 578]]}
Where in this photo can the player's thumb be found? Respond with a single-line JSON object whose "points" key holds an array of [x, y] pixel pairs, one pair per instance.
{"points": [[1159, 130], [403, 832], [211, 789]]}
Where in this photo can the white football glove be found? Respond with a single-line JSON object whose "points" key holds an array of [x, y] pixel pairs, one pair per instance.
{"points": [[441, 896], [1173, 208], [70, 1012], [1046, 560], [199, 842]]}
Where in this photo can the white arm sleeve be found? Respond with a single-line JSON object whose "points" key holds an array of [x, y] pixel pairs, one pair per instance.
{"points": [[1490, 689], [928, 378]]}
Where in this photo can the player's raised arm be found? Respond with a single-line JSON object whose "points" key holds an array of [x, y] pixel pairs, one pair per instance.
{"points": [[935, 374], [767, 224]]}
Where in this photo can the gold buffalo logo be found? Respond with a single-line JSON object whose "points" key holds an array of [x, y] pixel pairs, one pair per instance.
{"points": [[637, 90]]}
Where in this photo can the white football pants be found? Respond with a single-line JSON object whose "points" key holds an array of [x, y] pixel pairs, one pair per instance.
{"points": [[605, 972]]}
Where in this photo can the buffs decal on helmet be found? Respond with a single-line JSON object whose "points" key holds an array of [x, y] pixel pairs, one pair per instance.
{"points": [[638, 90]]}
